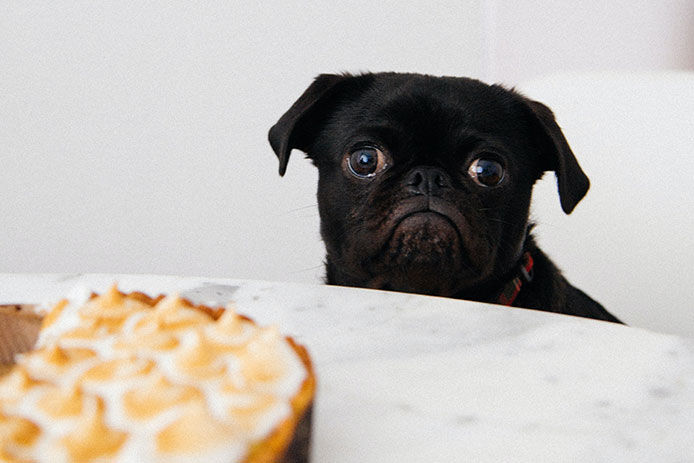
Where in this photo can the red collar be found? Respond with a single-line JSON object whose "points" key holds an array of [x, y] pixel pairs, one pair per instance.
{"points": [[513, 287]]}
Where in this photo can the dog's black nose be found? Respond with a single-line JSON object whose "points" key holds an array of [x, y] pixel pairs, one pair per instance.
{"points": [[427, 181]]}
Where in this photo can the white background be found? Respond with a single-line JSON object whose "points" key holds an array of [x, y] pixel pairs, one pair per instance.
{"points": [[133, 136]]}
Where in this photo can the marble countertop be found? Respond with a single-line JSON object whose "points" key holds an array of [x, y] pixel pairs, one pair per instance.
{"points": [[406, 378]]}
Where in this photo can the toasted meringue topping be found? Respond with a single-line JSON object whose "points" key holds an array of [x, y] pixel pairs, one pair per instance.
{"points": [[15, 384], [92, 439], [172, 313], [246, 413], [111, 309], [195, 431], [18, 430], [229, 324], [118, 369], [88, 330], [199, 359], [61, 402], [257, 361], [55, 362], [63, 358], [54, 313], [126, 378], [157, 395], [148, 340]]}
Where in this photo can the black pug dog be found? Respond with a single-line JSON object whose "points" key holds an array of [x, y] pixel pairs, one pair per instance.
{"points": [[425, 184]]}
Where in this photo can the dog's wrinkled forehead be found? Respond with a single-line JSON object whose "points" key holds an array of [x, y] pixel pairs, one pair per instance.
{"points": [[432, 113], [467, 99]]}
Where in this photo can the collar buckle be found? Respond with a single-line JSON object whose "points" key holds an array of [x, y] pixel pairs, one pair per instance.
{"points": [[513, 287], [527, 268]]}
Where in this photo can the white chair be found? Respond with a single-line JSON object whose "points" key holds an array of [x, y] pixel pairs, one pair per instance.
{"points": [[629, 244]]}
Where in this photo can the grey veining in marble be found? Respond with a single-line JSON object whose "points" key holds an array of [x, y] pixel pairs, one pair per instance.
{"points": [[406, 378]]}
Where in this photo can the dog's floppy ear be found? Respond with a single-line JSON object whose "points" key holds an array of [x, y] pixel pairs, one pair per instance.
{"points": [[297, 127], [557, 156]]}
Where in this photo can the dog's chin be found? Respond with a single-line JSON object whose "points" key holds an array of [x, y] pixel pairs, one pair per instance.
{"points": [[422, 253]]}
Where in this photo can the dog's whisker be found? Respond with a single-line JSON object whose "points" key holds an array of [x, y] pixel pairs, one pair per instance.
{"points": [[302, 208], [307, 269]]}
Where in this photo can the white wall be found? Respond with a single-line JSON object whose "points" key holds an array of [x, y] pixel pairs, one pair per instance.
{"points": [[532, 38], [133, 135]]}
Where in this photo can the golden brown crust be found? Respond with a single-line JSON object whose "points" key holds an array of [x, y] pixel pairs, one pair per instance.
{"points": [[276, 446]]}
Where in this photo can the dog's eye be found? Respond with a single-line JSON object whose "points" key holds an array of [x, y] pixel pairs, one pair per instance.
{"points": [[366, 162], [486, 172]]}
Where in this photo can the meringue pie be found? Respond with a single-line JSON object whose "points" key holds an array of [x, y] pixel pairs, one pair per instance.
{"points": [[130, 378]]}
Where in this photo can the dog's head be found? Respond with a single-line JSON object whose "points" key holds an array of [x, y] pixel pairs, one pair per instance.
{"points": [[424, 182]]}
